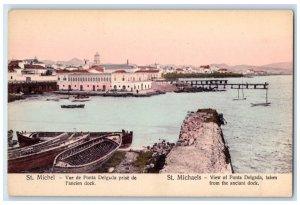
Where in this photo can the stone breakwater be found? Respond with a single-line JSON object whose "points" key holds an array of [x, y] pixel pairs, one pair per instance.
{"points": [[201, 147]]}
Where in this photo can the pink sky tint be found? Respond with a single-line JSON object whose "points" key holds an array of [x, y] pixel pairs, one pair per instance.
{"points": [[148, 36]]}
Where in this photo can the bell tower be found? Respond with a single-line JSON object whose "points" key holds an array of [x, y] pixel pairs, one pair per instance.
{"points": [[97, 59]]}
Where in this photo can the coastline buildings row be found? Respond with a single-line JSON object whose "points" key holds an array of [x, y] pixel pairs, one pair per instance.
{"points": [[119, 80], [91, 77], [95, 76]]}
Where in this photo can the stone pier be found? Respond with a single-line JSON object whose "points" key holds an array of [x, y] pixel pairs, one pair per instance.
{"points": [[201, 147]]}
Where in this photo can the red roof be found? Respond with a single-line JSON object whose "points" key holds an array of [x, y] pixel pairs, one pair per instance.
{"points": [[204, 66], [147, 71], [179, 69], [63, 71], [97, 68], [120, 71], [33, 66], [79, 71], [13, 64], [222, 69]]}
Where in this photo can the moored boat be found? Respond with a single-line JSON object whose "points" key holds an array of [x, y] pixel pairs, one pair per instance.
{"points": [[260, 104], [73, 106], [41, 154], [52, 99], [81, 98], [88, 156]]}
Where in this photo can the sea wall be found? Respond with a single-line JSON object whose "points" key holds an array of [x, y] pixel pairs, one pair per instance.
{"points": [[201, 147]]}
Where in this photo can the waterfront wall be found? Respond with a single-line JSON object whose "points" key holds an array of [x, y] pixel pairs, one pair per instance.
{"points": [[201, 147], [32, 87]]}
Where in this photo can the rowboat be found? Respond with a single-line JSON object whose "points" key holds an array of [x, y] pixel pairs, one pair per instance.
{"points": [[30, 138], [72, 106], [41, 154], [88, 156], [52, 99], [81, 98]]}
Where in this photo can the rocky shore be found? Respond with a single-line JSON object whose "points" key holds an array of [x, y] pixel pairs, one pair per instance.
{"points": [[201, 147]]}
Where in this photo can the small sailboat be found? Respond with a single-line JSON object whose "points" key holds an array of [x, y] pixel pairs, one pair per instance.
{"points": [[262, 104], [238, 98]]}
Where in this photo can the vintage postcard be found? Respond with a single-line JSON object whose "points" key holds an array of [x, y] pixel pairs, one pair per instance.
{"points": [[181, 103]]}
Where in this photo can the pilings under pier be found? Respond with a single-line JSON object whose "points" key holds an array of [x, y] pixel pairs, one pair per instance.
{"points": [[217, 84]]}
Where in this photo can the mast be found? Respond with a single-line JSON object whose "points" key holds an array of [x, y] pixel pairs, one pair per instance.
{"points": [[266, 95], [243, 92]]}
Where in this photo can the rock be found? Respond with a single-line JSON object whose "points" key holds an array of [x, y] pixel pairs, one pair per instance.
{"points": [[110, 169], [191, 141]]}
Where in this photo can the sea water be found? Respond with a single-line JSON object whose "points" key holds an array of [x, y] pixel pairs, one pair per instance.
{"points": [[259, 138]]}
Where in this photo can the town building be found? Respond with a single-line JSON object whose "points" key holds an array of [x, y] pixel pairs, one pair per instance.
{"points": [[19, 70], [122, 80], [150, 74], [83, 80]]}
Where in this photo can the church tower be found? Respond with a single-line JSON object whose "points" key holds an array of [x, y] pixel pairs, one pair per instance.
{"points": [[97, 59]]}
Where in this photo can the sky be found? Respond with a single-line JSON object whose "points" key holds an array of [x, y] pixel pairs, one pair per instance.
{"points": [[182, 37]]}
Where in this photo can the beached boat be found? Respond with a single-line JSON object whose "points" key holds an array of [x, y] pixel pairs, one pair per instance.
{"points": [[30, 138], [41, 154], [73, 106], [88, 156]]}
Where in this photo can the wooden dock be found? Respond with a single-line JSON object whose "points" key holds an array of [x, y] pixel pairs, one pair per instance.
{"points": [[221, 84]]}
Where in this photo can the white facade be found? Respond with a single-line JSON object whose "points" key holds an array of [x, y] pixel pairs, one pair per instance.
{"points": [[132, 82], [84, 81]]}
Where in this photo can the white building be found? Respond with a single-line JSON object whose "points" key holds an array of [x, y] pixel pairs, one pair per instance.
{"points": [[132, 82], [83, 81]]}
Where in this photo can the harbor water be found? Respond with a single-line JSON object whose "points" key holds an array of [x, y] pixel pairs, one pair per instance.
{"points": [[259, 138]]}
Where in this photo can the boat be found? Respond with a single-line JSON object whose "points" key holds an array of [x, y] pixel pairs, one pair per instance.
{"points": [[17, 94], [81, 98], [30, 138], [262, 104], [73, 106], [10, 141], [88, 156], [52, 99], [10, 135], [238, 98], [42, 154]]}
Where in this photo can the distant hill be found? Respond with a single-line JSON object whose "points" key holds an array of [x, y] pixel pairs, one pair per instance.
{"points": [[282, 65], [73, 61], [274, 68]]}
